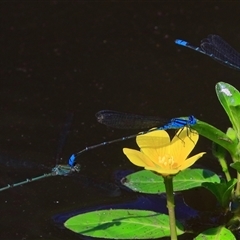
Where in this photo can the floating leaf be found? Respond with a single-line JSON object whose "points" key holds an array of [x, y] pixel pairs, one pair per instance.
{"points": [[148, 182], [219, 233], [122, 224]]}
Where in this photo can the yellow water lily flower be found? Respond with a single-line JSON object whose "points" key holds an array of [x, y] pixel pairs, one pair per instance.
{"points": [[159, 154]]}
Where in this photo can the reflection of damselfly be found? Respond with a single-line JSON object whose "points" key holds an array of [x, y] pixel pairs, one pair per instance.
{"points": [[58, 170], [216, 48], [106, 188], [131, 121]]}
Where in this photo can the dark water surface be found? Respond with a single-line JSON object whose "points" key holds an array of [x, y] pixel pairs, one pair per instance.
{"points": [[84, 56]]}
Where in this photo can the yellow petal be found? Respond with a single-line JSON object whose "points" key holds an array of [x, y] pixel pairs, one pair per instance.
{"points": [[190, 161], [156, 153], [137, 158], [166, 150], [151, 153], [183, 143], [154, 139], [160, 155], [150, 142], [163, 172]]}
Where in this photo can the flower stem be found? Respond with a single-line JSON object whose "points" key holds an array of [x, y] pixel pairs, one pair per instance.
{"points": [[224, 166], [168, 181], [237, 191]]}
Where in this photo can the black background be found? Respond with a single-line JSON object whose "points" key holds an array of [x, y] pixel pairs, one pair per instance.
{"points": [[84, 56]]}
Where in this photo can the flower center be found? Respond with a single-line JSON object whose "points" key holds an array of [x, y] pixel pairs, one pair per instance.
{"points": [[167, 161]]}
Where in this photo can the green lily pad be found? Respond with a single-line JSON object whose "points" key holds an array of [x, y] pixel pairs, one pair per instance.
{"points": [[122, 224], [148, 182]]}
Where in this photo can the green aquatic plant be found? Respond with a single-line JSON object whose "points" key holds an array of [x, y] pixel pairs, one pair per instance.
{"points": [[166, 171]]}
